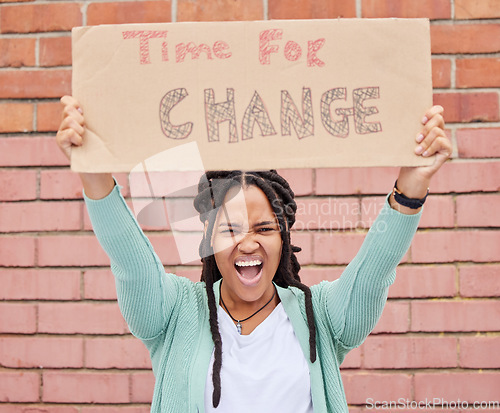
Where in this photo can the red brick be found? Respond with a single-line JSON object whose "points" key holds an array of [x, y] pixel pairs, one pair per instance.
{"points": [[469, 107], [336, 248], [48, 116], [467, 177], [311, 9], [314, 275], [99, 285], [449, 246], [60, 184], [31, 151], [17, 318], [128, 12], [479, 280], [22, 408], [476, 9], [478, 210], [424, 281], [33, 284], [142, 387], [479, 352], [80, 318], [395, 318], [17, 251], [17, 52], [393, 352], [478, 143], [16, 117], [120, 353], [353, 359], [19, 386], [441, 73], [30, 18], [350, 181], [219, 10], [35, 352], [35, 83], [55, 51], [433, 9], [40, 216], [300, 180], [465, 38], [79, 251], [84, 387], [327, 214], [478, 72], [18, 185], [468, 315], [465, 386], [366, 387]]}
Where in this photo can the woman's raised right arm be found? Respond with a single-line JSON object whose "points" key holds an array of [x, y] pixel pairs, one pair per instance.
{"points": [[70, 133]]}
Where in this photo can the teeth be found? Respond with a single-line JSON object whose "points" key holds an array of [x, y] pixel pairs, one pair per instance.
{"points": [[248, 263]]}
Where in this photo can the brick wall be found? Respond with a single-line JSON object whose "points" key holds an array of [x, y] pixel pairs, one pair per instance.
{"points": [[64, 347]]}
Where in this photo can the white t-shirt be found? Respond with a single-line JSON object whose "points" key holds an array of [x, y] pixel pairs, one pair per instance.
{"points": [[264, 371]]}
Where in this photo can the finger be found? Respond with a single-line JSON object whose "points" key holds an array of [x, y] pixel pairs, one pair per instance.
{"points": [[72, 123], [435, 110], [73, 112], [440, 145], [430, 137], [70, 101]]}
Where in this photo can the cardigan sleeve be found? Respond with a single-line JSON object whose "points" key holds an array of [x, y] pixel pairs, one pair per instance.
{"points": [[146, 294], [355, 301]]}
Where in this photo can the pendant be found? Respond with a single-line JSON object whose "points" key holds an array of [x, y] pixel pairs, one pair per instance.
{"points": [[238, 327]]}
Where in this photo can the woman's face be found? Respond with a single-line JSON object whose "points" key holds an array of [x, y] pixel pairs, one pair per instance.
{"points": [[247, 245]]}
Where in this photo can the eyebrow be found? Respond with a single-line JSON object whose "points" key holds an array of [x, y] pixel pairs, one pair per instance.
{"points": [[259, 224]]}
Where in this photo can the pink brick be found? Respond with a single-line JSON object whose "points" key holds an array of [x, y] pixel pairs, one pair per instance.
{"points": [[142, 387], [469, 315], [395, 318], [165, 247], [32, 151], [120, 352], [18, 318], [439, 211], [480, 352], [304, 241], [193, 273], [19, 386], [35, 352], [79, 251], [314, 275], [22, 408], [393, 352], [360, 387], [83, 387], [353, 359], [99, 285], [478, 210], [424, 281], [449, 246], [60, 184], [478, 143], [118, 409], [350, 181], [479, 280], [83, 318], [465, 386], [327, 214], [327, 248], [469, 107], [18, 185], [17, 251], [467, 177], [40, 216], [300, 180], [31, 284]]}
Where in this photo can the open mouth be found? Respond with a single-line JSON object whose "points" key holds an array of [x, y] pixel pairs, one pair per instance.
{"points": [[249, 269]]}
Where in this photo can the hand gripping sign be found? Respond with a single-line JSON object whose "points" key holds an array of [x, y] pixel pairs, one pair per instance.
{"points": [[253, 95]]}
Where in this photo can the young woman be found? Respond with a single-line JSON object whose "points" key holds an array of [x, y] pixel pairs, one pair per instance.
{"points": [[250, 337]]}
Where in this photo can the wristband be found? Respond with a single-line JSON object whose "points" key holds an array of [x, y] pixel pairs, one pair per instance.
{"points": [[402, 199]]}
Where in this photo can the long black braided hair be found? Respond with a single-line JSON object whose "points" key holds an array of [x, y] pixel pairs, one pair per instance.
{"points": [[212, 190]]}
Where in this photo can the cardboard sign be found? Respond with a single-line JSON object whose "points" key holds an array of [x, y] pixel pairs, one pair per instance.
{"points": [[252, 95]]}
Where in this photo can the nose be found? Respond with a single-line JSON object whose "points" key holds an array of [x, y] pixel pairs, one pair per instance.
{"points": [[248, 244]]}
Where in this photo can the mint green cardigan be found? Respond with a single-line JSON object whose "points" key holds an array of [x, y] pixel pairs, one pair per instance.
{"points": [[170, 314]]}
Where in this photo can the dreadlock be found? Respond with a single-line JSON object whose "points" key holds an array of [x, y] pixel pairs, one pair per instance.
{"points": [[212, 190]]}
